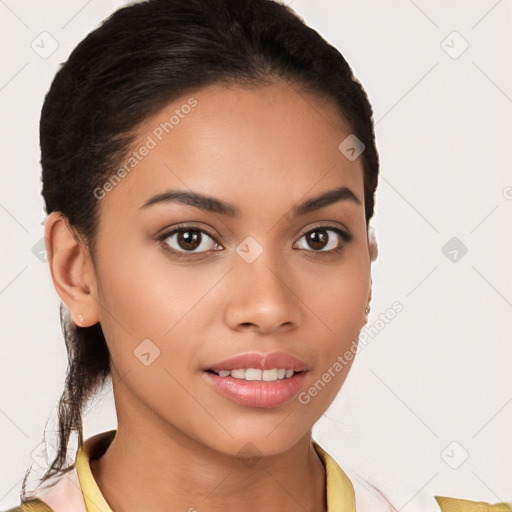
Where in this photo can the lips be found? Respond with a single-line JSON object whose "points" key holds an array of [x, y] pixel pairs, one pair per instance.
{"points": [[256, 380], [260, 361]]}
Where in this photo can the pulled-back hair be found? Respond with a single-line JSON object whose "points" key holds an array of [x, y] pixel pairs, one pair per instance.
{"points": [[136, 62]]}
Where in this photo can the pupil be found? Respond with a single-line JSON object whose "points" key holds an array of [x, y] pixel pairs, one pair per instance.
{"points": [[317, 239], [189, 239]]}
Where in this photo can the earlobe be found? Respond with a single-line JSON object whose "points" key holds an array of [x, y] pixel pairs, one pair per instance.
{"points": [[367, 308], [72, 270]]}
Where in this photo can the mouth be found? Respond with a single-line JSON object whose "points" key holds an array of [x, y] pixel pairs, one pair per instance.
{"points": [[257, 388], [259, 380]]}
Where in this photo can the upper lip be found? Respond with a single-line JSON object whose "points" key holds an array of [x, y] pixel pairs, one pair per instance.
{"points": [[260, 361]]}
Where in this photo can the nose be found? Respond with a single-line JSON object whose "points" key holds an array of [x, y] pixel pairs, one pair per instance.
{"points": [[263, 296]]}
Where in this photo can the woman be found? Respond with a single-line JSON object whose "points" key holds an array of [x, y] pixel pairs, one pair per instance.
{"points": [[209, 171]]}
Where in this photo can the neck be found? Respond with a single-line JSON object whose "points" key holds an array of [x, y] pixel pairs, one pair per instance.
{"points": [[151, 471]]}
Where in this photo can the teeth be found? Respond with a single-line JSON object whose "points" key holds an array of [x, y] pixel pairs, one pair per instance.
{"points": [[253, 374], [257, 374], [268, 375]]}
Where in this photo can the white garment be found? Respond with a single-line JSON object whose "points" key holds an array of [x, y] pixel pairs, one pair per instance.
{"points": [[371, 499], [66, 495]]}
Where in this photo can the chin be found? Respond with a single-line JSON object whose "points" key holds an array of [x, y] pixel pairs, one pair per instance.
{"points": [[255, 443]]}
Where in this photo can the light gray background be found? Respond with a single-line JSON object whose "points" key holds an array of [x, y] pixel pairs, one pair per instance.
{"points": [[440, 371]]}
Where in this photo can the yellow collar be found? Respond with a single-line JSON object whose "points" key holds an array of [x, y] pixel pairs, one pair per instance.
{"points": [[93, 448], [340, 492]]}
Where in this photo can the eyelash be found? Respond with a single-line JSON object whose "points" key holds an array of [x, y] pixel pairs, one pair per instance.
{"points": [[347, 237]]}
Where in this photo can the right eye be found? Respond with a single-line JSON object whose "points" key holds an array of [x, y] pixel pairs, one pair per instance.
{"points": [[185, 240]]}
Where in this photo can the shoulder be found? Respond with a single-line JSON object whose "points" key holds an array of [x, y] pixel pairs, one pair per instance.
{"points": [[63, 495], [34, 505], [383, 495], [458, 505]]}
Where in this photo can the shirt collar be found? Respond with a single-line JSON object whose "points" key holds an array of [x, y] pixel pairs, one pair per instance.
{"points": [[339, 489], [93, 447]]}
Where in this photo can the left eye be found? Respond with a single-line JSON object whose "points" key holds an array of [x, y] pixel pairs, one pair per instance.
{"points": [[188, 240], [320, 241]]}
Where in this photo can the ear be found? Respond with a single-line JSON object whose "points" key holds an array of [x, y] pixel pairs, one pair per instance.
{"points": [[373, 250], [372, 244], [72, 270]]}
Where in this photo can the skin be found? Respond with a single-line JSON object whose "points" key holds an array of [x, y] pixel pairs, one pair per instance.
{"points": [[263, 150]]}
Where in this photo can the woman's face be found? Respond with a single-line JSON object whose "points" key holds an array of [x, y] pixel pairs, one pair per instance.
{"points": [[174, 304]]}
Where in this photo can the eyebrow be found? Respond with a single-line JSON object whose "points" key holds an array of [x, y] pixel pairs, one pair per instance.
{"points": [[211, 204]]}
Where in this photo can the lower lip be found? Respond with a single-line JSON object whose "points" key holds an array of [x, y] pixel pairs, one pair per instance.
{"points": [[256, 393]]}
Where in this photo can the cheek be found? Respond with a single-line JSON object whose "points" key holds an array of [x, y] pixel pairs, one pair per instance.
{"points": [[340, 317], [146, 315], [146, 297], [338, 303], [338, 297], [142, 292]]}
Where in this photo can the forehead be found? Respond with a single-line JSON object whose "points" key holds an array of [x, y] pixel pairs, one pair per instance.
{"points": [[255, 146]]}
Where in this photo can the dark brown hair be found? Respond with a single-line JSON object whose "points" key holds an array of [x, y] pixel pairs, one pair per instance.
{"points": [[141, 58]]}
